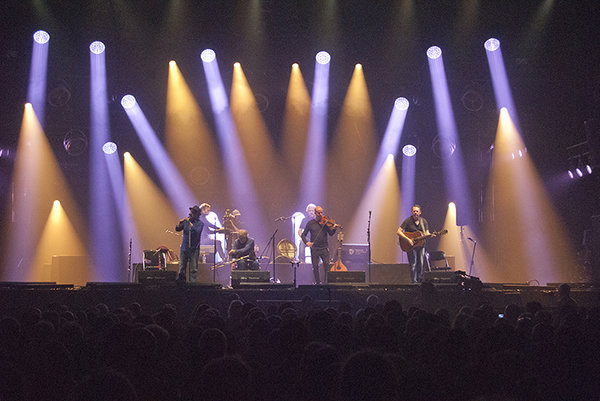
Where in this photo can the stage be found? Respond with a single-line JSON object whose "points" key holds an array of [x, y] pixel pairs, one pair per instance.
{"points": [[16, 297]]}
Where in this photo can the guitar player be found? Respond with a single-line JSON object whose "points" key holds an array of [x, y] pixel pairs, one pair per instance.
{"points": [[416, 256]]}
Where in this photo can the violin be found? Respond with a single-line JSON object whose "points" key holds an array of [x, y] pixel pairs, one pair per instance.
{"points": [[329, 222]]}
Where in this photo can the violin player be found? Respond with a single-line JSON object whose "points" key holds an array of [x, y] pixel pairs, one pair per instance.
{"points": [[318, 229]]}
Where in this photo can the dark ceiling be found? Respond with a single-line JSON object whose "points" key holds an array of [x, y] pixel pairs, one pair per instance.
{"points": [[550, 49]]}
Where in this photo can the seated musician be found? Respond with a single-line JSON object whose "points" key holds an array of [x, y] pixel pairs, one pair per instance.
{"points": [[231, 226], [243, 249]]}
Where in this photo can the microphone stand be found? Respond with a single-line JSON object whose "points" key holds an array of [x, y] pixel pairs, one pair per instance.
{"points": [[129, 270], [472, 256], [369, 244], [272, 240], [215, 258]]}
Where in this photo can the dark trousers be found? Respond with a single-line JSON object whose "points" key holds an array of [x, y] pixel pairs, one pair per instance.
{"points": [[188, 256], [416, 259], [315, 255], [247, 265]]}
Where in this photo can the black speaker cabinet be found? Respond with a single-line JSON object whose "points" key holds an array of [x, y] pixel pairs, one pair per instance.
{"points": [[440, 277], [395, 273], [157, 277], [345, 277], [239, 277]]}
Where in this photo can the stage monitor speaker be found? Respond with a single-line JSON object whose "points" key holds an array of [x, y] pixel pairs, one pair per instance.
{"points": [[157, 277], [440, 277], [395, 273], [239, 277], [345, 277]]}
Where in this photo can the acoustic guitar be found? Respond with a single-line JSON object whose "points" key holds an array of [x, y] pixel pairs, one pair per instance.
{"points": [[418, 239]]}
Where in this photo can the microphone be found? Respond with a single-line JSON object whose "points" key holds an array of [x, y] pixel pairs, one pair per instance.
{"points": [[471, 239]]}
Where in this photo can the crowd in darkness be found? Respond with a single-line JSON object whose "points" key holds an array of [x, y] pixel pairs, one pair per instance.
{"points": [[298, 351]]}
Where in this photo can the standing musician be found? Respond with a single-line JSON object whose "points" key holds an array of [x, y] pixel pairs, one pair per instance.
{"points": [[243, 247], [416, 256], [190, 245], [205, 240], [318, 228]]}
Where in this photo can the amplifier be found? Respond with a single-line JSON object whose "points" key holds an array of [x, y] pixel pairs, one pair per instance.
{"points": [[249, 276], [345, 277]]}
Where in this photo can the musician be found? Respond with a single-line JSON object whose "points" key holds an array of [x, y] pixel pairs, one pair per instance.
{"points": [[243, 247], [416, 256], [190, 244], [231, 224], [205, 239], [318, 228], [310, 213]]}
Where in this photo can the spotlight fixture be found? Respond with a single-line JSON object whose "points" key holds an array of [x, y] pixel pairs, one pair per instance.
{"points": [[588, 168], [492, 44], [75, 142], [208, 55], [97, 47], [41, 37], [109, 148], [571, 175], [401, 103], [409, 150], [128, 101], [323, 57], [434, 52]]}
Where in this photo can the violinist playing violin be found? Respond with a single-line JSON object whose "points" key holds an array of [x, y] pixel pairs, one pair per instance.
{"points": [[319, 228]]}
